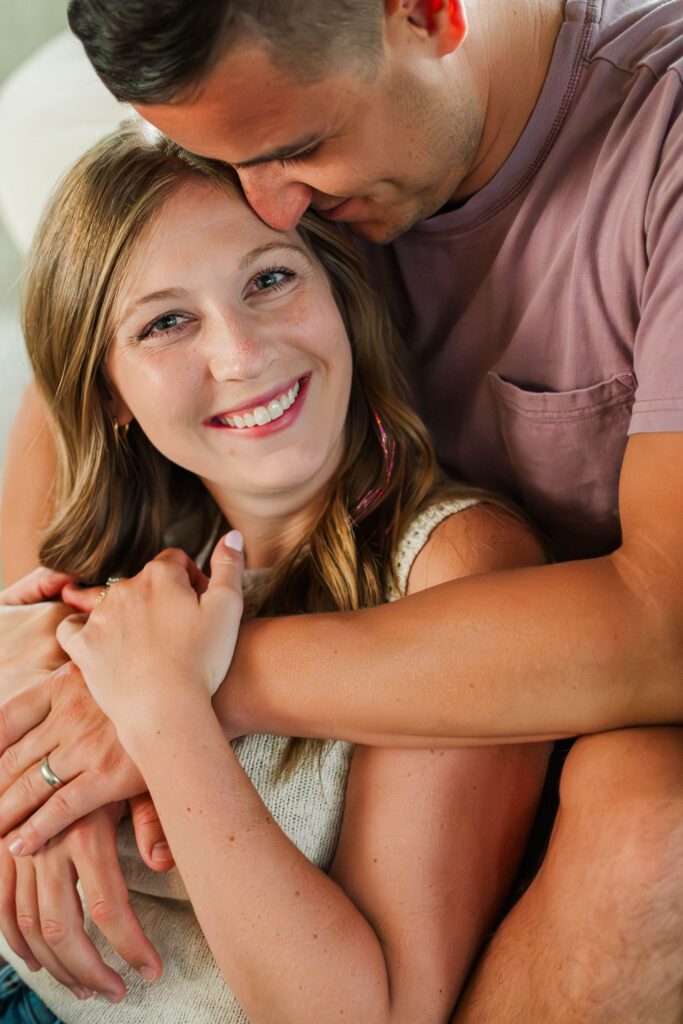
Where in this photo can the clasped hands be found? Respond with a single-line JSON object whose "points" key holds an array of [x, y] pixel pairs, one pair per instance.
{"points": [[168, 628]]}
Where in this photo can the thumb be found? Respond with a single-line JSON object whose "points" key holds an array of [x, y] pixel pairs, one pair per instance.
{"points": [[227, 565], [83, 599], [68, 629], [39, 585], [221, 607], [149, 835]]}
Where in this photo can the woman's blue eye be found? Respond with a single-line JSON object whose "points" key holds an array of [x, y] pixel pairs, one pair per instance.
{"points": [[164, 325], [272, 280]]}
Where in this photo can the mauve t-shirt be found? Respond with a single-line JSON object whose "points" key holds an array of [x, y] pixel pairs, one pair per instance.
{"points": [[544, 318]]}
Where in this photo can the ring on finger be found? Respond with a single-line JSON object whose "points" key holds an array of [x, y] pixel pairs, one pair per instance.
{"points": [[111, 580], [52, 780]]}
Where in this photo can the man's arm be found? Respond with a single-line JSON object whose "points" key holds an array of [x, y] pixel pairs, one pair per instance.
{"points": [[521, 654], [533, 653], [29, 475]]}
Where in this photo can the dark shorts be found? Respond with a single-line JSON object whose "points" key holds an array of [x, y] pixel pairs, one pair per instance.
{"points": [[18, 1004]]}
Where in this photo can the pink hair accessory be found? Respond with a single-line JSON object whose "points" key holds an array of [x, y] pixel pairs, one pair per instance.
{"points": [[372, 497]]}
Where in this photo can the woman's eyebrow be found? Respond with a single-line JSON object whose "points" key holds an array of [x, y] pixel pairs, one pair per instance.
{"points": [[164, 293], [261, 250]]}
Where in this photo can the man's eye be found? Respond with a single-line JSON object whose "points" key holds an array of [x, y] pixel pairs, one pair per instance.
{"points": [[165, 324], [299, 157]]}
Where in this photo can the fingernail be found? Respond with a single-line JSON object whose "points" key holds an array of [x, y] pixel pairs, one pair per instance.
{"points": [[161, 851], [149, 972], [15, 847], [32, 964], [113, 997], [234, 540], [80, 992]]}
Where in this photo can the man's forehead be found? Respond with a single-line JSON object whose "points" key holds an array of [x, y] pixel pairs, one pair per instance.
{"points": [[249, 111]]}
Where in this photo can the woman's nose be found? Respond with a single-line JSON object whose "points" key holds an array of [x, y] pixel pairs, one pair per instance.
{"points": [[235, 353]]}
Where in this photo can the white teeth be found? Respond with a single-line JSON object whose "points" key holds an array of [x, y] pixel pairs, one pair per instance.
{"points": [[262, 415]]}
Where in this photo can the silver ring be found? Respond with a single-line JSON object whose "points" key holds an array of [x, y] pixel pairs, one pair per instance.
{"points": [[52, 780], [111, 580]]}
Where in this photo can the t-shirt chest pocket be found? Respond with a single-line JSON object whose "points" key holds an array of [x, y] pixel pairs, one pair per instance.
{"points": [[565, 450]]}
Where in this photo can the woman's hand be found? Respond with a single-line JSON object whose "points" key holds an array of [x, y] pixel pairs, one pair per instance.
{"points": [[41, 915], [155, 637]]}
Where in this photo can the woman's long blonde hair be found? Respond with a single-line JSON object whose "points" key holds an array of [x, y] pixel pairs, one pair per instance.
{"points": [[116, 503]]}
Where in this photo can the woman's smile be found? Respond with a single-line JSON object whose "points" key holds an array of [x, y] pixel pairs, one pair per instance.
{"points": [[274, 411]]}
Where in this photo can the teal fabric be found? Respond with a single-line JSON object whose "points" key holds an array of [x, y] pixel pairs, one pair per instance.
{"points": [[18, 1004]]}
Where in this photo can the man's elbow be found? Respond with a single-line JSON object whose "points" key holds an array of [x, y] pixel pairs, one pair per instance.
{"points": [[653, 586]]}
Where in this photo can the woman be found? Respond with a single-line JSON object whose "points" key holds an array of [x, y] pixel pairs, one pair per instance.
{"points": [[206, 374]]}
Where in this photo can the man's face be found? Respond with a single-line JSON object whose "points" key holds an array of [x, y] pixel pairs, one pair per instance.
{"points": [[378, 155]]}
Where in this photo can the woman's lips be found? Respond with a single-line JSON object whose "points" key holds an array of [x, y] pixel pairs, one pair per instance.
{"points": [[277, 410], [262, 400]]}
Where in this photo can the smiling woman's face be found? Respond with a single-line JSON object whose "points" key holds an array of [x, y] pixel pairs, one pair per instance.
{"points": [[230, 352]]}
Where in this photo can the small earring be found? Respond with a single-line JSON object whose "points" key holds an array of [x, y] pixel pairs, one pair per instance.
{"points": [[120, 431], [372, 497]]}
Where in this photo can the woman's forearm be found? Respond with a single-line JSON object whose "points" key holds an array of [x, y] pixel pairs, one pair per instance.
{"points": [[530, 653], [289, 942]]}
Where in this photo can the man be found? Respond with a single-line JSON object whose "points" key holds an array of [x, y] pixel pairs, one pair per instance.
{"points": [[527, 175]]}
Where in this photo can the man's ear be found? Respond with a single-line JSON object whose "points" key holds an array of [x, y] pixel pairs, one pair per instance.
{"points": [[441, 22]]}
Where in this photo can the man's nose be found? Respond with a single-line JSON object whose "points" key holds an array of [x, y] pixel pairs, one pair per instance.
{"points": [[278, 202]]}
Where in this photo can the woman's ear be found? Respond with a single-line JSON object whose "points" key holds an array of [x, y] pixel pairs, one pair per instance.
{"points": [[118, 411], [443, 23]]}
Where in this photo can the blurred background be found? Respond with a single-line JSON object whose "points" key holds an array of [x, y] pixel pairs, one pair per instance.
{"points": [[24, 26]]}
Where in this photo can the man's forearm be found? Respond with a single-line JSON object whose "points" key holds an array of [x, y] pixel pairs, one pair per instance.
{"points": [[525, 654], [28, 487]]}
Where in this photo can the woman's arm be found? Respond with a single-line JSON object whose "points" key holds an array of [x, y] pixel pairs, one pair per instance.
{"points": [[538, 652], [429, 845]]}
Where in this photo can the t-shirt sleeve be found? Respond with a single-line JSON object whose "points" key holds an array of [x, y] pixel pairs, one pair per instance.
{"points": [[658, 350]]}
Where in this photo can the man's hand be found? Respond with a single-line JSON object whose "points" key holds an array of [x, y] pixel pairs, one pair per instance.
{"points": [[41, 916], [149, 834], [51, 713], [59, 718], [29, 651], [40, 585]]}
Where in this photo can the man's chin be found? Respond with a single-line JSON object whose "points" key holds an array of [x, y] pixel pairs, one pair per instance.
{"points": [[378, 232]]}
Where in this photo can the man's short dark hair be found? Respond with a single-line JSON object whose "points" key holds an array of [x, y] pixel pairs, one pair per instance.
{"points": [[152, 51]]}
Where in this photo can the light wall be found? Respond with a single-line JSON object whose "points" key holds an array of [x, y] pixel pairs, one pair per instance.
{"points": [[24, 25]]}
